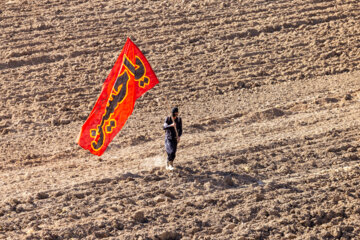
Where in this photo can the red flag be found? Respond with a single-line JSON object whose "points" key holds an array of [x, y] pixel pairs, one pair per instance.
{"points": [[130, 77]]}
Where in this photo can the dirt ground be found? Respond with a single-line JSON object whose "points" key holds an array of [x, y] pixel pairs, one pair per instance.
{"points": [[268, 91]]}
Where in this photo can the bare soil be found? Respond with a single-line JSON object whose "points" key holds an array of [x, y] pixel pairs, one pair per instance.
{"points": [[269, 94]]}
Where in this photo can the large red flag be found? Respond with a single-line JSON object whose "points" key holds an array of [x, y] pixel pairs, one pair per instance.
{"points": [[130, 77]]}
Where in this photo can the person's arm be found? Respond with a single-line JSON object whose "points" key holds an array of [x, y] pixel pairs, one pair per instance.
{"points": [[166, 124], [179, 128]]}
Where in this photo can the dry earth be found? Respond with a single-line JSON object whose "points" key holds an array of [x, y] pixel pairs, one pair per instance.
{"points": [[269, 93]]}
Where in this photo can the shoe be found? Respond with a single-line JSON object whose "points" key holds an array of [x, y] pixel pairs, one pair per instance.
{"points": [[171, 167]]}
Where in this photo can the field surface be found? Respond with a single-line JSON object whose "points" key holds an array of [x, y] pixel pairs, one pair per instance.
{"points": [[269, 95]]}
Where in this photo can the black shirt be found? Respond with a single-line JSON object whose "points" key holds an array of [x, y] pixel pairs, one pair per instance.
{"points": [[170, 133]]}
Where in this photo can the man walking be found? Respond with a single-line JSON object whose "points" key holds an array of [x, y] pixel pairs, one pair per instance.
{"points": [[173, 132]]}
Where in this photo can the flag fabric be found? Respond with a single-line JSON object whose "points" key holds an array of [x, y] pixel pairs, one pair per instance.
{"points": [[130, 77]]}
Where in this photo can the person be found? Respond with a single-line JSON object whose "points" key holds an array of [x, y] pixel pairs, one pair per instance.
{"points": [[173, 132]]}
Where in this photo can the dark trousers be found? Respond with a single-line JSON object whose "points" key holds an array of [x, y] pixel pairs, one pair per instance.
{"points": [[171, 147]]}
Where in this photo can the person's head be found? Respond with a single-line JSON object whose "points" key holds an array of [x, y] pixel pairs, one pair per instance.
{"points": [[175, 112]]}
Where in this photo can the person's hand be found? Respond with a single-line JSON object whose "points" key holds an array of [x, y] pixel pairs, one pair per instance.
{"points": [[172, 125], [178, 139]]}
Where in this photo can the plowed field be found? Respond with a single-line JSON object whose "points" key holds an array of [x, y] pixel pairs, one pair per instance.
{"points": [[269, 95]]}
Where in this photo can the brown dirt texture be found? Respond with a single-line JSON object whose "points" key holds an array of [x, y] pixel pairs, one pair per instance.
{"points": [[268, 91]]}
